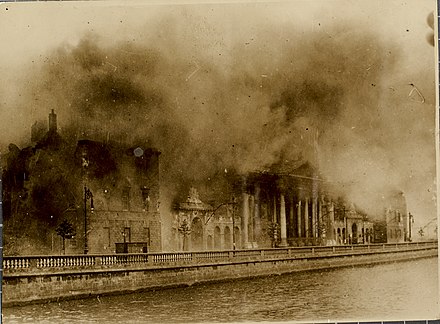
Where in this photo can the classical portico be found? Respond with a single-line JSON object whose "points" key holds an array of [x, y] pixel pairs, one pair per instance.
{"points": [[288, 209]]}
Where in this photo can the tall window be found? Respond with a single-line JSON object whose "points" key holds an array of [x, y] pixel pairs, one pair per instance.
{"points": [[106, 237], [147, 235], [126, 198], [127, 234], [145, 198]]}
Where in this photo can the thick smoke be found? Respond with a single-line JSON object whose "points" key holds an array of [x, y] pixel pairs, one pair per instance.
{"points": [[331, 95]]}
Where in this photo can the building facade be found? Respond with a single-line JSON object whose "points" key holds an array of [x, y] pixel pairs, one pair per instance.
{"points": [[285, 208], [198, 226], [108, 192], [125, 201]]}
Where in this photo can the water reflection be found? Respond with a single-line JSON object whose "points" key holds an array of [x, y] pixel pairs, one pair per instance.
{"points": [[405, 290]]}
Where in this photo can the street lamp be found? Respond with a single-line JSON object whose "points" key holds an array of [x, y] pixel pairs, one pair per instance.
{"points": [[87, 195], [411, 221], [233, 222]]}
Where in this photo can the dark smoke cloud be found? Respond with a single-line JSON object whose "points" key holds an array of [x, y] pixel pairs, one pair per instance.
{"points": [[246, 103]]}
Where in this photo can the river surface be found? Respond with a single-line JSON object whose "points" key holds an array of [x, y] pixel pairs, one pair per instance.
{"points": [[398, 291]]}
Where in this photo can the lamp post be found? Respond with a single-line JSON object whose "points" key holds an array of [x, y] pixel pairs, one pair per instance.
{"points": [[87, 195], [411, 221], [233, 222], [347, 237], [124, 235]]}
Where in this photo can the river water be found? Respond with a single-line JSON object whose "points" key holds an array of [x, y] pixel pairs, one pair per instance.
{"points": [[396, 291]]}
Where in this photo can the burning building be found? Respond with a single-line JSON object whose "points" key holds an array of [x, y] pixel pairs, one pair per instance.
{"points": [[284, 206], [268, 208], [197, 226], [110, 192], [107, 191]]}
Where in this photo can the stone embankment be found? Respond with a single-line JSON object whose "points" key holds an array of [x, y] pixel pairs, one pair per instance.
{"points": [[29, 279]]}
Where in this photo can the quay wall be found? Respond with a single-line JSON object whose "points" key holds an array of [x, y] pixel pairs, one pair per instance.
{"points": [[30, 285]]}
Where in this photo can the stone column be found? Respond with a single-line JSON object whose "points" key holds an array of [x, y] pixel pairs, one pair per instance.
{"points": [[251, 234], [274, 216], [205, 235], [320, 220], [314, 232], [283, 227], [245, 219], [257, 220], [298, 218], [306, 217], [332, 218], [292, 217]]}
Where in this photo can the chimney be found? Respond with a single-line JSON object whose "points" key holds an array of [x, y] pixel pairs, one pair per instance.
{"points": [[52, 122]]}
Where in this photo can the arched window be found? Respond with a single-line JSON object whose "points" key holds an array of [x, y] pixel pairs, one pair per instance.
{"points": [[217, 241], [228, 238], [196, 234]]}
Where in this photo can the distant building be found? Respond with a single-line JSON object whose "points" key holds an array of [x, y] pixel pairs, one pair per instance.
{"points": [[352, 226], [393, 225]]}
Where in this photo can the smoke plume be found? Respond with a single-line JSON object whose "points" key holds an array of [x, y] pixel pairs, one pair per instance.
{"points": [[330, 95]]}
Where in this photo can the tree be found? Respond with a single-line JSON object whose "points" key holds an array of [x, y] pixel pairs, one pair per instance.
{"points": [[185, 230], [66, 231]]}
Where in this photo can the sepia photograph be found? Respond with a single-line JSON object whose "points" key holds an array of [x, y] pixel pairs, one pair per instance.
{"points": [[219, 162]]}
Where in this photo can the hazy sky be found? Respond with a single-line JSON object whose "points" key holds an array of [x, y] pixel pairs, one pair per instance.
{"points": [[358, 57]]}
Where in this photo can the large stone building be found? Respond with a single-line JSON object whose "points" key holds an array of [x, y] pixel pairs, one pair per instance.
{"points": [[268, 209], [110, 194], [285, 207], [126, 202], [107, 191]]}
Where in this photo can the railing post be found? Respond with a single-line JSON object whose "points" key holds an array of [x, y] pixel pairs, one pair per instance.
{"points": [[98, 260], [32, 263], [231, 254]]}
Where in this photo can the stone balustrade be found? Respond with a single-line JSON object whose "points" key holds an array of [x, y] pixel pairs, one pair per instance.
{"points": [[91, 261]]}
